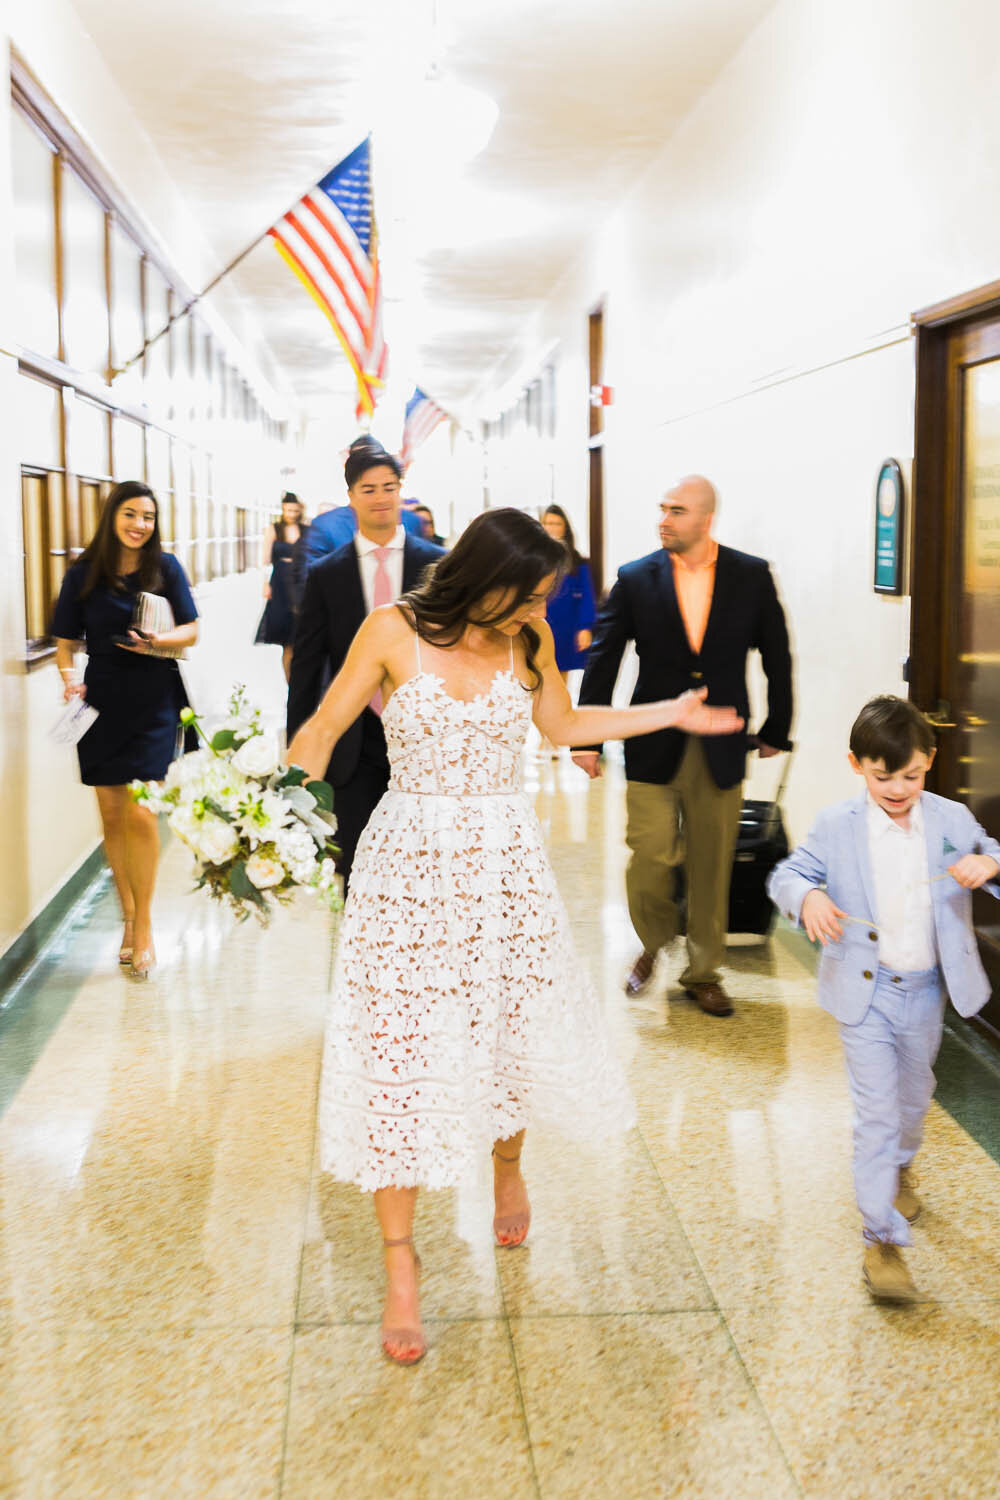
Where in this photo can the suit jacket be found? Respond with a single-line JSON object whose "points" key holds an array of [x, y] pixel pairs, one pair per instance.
{"points": [[745, 616], [835, 855], [333, 609]]}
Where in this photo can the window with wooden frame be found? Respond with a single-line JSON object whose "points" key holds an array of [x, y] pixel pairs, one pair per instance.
{"points": [[91, 300], [241, 518]]}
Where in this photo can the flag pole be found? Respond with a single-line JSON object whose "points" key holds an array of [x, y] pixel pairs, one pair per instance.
{"points": [[177, 316]]}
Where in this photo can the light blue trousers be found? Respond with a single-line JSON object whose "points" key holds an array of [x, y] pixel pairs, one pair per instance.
{"points": [[890, 1066]]}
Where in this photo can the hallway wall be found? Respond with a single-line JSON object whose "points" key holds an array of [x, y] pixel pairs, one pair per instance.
{"points": [[758, 280], [48, 822]]}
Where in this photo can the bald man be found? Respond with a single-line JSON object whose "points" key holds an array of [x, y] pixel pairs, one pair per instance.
{"points": [[695, 611]]}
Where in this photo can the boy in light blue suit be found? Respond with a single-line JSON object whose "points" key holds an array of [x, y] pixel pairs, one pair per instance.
{"points": [[883, 883]]}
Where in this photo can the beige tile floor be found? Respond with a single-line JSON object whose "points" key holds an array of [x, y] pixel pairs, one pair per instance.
{"points": [[188, 1309]]}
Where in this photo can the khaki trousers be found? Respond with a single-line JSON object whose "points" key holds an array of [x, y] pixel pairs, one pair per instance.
{"points": [[690, 822]]}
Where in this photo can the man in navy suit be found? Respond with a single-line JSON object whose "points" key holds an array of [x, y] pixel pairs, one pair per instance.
{"points": [[340, 591], [694, 610]]}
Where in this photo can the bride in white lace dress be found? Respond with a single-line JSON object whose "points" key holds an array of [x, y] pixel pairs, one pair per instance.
{"points": [[460, 1011]]}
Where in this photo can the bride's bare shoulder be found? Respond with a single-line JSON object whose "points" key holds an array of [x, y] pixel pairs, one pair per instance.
{"points": [[388, 624]]}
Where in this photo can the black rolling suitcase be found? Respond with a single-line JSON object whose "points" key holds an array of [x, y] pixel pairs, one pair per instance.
{"points": [[760, 844]]}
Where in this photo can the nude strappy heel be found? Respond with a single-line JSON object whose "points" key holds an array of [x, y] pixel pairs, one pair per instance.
{"points": [[408, 1337], [125, 951], [516, 1225]]}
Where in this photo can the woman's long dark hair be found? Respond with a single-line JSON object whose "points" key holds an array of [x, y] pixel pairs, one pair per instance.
{"points": [[502, 552], [102, 555], [290, 498], [568, 539]]}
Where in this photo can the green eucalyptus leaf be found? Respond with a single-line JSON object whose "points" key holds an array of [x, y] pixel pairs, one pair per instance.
{"points": [[240, 883], [223, 739], [322, 794], [294, 776]]}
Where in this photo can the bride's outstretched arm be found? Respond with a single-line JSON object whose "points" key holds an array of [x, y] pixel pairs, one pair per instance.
{"points": [[563, 724], [354, 686]]}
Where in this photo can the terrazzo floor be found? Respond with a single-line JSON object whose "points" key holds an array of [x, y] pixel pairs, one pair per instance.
{"points": [[187, 1308]]}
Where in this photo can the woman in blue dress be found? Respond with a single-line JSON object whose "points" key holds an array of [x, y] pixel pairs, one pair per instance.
{"points": [[138, 696], [284, 545], [571, 611]]}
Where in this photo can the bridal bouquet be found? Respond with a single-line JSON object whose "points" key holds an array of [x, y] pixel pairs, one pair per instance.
{"points": [[256, 831]]}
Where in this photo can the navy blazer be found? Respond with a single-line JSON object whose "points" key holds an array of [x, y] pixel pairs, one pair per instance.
{"points": [[746, 616], [333, 609]]}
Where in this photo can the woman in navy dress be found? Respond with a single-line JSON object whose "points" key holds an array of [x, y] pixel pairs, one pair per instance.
{"points": [[283, 591], [138, 696], [571, 611]]}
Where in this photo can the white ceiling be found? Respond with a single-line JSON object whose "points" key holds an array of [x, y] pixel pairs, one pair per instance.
{"points": [[250, 102]]}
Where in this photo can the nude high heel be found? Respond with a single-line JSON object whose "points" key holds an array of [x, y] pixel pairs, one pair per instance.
{"points": [[143, 964], [515, 1225], [411, 1338], [125, 951]]}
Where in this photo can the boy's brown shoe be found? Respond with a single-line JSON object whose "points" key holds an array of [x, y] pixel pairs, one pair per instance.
{"points": [[886, 1275], [907, 1202]]}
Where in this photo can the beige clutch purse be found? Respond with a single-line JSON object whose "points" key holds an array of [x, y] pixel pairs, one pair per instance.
{"points": [[153, 616]]}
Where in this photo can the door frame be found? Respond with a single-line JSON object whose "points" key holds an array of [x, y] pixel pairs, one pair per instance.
{"points": [[937, 498]]}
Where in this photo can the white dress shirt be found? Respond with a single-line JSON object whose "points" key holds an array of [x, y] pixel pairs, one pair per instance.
{"points": [[368, 562], [903, 909]]}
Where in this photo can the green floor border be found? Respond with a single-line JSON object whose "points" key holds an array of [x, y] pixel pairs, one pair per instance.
{"points": [[30, 944], [41, 974], [967, 1067]]}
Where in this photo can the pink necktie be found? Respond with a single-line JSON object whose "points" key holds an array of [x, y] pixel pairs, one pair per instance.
{"points": [[381, 594]]}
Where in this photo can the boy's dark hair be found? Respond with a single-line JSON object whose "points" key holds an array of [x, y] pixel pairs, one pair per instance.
{"points": [[890, 729]]}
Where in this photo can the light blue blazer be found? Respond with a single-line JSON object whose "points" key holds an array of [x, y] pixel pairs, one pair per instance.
{"points": [[835, 856]]}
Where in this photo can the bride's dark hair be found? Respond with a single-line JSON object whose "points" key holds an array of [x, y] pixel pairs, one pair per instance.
{"points": [[502, 552]]}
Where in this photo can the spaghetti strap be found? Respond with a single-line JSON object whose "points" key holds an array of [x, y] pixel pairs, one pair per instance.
{"points": [[510, 642], [416, 643]]}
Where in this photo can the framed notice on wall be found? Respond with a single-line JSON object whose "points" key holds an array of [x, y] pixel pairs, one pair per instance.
{"points": [[889, 529]]}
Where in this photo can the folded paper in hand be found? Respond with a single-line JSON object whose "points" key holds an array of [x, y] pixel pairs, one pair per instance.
{"points": [[73, 723]]}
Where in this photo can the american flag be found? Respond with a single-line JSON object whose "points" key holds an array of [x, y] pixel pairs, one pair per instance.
{"points": [[330, 241], [422, 416]]}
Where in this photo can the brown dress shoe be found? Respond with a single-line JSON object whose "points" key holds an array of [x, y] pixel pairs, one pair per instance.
{"points": [[712, 998], [886, 1274], [642, 973], [907, 1202]]}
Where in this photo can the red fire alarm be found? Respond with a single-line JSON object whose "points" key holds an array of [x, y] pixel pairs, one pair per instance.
{"points": [[601, 395]]}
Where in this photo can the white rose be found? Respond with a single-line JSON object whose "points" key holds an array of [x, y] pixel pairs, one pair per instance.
{"points": [[258, 757], [217, 840], [184, 823], [263, 870], [209, 837]]}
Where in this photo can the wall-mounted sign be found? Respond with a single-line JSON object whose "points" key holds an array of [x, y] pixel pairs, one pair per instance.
{"points": [[889, 529]]}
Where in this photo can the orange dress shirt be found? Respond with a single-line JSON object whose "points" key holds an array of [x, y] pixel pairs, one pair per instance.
{"points": [[694, 588]]}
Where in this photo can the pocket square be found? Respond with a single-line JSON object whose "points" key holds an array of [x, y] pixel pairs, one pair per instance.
{"points": [[948, 847]]}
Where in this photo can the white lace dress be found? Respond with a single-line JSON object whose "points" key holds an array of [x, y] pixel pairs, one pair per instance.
{"points": [[460, 1010]]}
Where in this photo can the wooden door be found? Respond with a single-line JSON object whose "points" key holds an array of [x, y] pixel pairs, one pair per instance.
{"points": [[955, 664], [595, 440]]}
